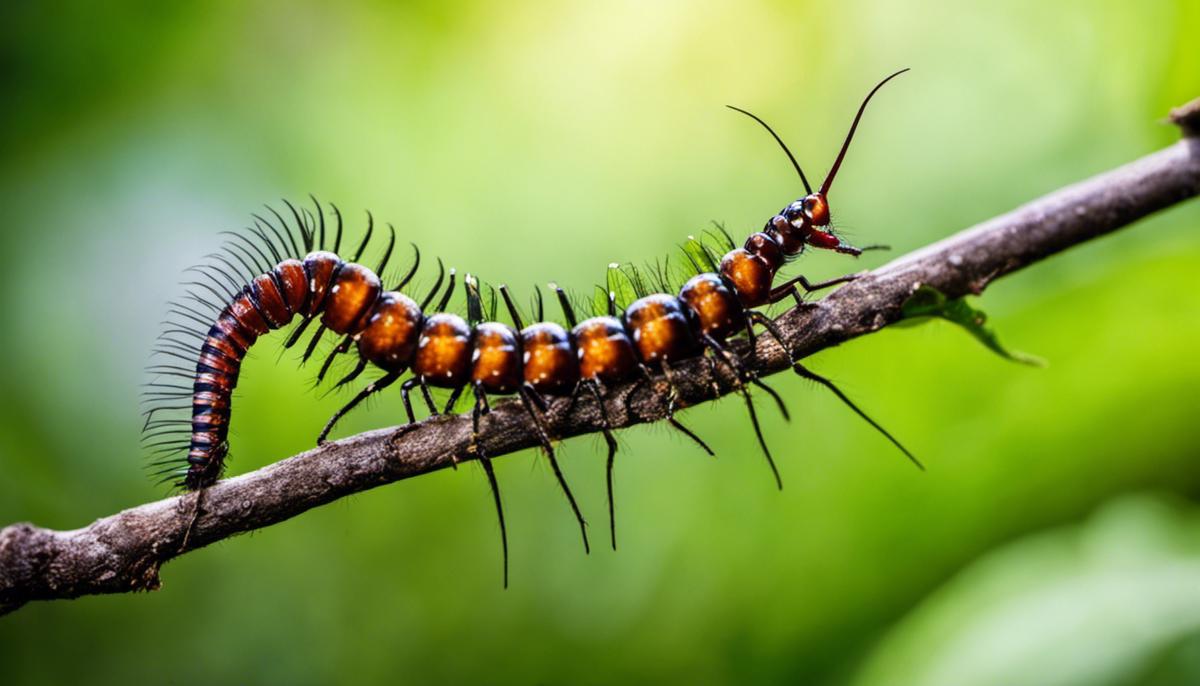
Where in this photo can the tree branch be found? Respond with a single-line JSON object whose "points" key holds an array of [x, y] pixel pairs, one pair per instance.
{"points": [[124, 552]]}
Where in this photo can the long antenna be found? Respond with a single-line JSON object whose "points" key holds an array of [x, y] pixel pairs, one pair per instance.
{"points": [[846, 145], [807, 188]]}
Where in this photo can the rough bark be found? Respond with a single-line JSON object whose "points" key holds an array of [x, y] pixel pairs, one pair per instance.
{"points": [[125, 551]]}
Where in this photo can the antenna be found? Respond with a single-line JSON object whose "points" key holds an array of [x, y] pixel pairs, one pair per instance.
{"points": [[846, 145], [807, 188]]}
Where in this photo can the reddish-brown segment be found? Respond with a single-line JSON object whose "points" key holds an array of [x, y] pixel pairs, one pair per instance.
{"points": [[270, 301], [319, 267], [750, 275], [548, 358], [354, 291], [444, 351], [390, 337], [235, 332], [660, 329], [496, 358], [604, 349], [789, 238], [766, 248], [718, 313], [295, 284], [243, 310]]}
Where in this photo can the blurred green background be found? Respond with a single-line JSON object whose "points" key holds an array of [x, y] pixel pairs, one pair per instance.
{"points": [[1055, 538]]}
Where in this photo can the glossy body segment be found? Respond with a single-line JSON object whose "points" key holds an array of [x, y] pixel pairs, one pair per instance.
{"points": [[716, 308], [389, 339], [269, 300], [549, 358], [766, 248], [319, 269], [351, 297], [291, 277], [496, 358], [750, 275], [444, 351], [660, 329], [604, 350]]}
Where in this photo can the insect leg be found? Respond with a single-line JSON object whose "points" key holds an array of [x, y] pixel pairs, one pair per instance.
{"points": [[427, 395], [530, 397], [454, 396], [789, 287], [341, 348], [773, 330], [481, 408], [813, 376], [671, 397], [371, 388], [593, 387], [404, 390]]}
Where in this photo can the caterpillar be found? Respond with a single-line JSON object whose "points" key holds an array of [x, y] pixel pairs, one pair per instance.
{"points": [[276, 271]]}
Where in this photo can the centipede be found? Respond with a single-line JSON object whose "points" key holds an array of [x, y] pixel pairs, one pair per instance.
{"points": [[285, 268]]}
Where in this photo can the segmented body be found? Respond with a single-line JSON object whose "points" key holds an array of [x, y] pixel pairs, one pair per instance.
{"points": [[396, 334], [343, 294]]}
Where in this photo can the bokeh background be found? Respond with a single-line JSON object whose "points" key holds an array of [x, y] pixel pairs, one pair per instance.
{"points": [[1055, 538]]}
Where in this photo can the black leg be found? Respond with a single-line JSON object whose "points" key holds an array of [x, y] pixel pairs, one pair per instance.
{"points": [[672, 406], [648, 379], [743, 374], [427, 395], [404, 391], [358, 369], [712, 371], [454, 396], [761, 441], [813, 376], [312, 345], [373, 387], [774, 395], [606, 426], [530, 397], [786, 288], [341, 348], [751, 336], [760, 318], [480, 409]]}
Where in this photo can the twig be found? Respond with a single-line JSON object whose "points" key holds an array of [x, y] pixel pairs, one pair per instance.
{"points": [[125, 551]]}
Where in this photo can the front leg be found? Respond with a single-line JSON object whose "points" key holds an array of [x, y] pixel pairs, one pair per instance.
{"points": [[789, 287]]}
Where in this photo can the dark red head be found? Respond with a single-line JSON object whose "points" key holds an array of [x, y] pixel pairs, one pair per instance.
{"points": [[806, 221]]}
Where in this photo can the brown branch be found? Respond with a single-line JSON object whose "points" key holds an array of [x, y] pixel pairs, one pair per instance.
{"points": [[124, 552]]}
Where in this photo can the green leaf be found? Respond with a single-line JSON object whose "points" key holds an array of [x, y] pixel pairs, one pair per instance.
{"points": [[599, 302], [621, 285], [930, 302], [699, 255]]}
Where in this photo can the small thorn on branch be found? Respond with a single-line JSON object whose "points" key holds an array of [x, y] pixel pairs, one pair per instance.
{"points": [[1187, 118]]}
